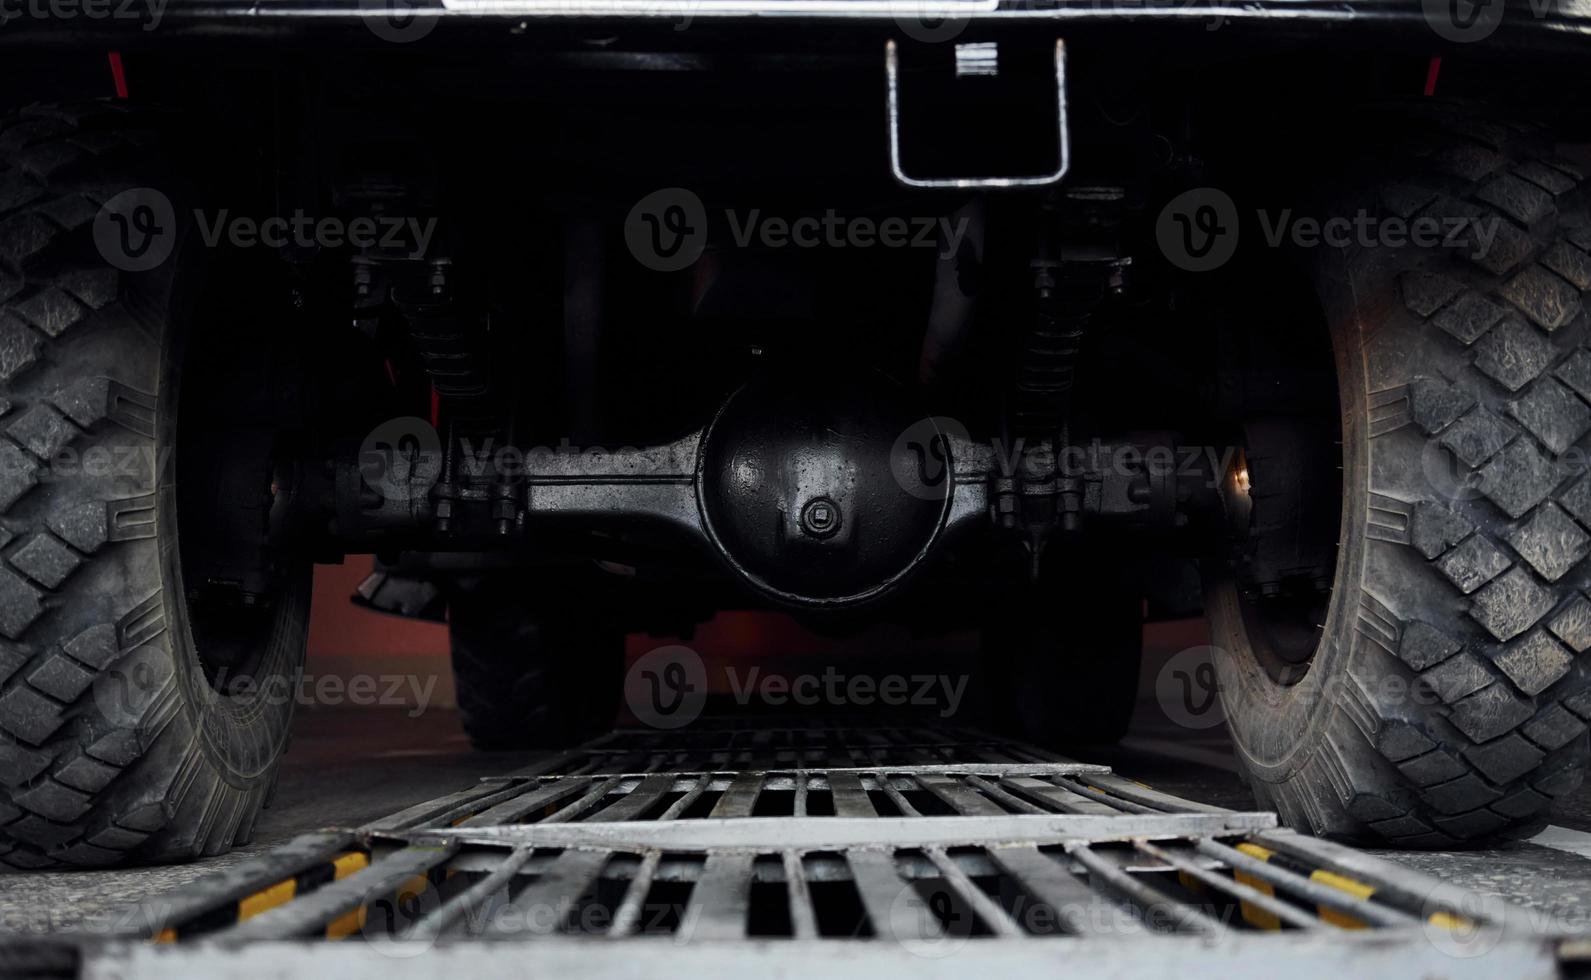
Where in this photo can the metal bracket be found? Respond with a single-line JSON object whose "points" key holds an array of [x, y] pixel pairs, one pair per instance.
{"points": [[1063, 139]]}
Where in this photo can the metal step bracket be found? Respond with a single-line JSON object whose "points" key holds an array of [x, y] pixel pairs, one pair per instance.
{"points": [[975, 59]]}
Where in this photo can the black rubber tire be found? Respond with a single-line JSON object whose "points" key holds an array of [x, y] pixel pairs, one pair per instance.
{"points": [[529, 681], [1448, 698], [113, 745], [1060, 660]]}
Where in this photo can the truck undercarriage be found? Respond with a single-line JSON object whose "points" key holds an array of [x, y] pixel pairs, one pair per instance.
{"points": [[1015, 319]]}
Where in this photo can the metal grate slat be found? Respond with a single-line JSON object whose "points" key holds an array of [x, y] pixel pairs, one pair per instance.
{"points": [[541, 907], [850, 799], [1004, 798], [1131, 792], [1306, 888], [1079, 909], [1406, 888], [897, 797], [584, 804], [1100, 796], [529, 800], [644, 797], [1182, 918], [741, 796], [682, 804], [720, 901], [836, 832], [961, 799], [1284, 912], [152, 915], [1055, 797], [803, 920], [445, 809], [312, 913], [992, 914], [628, 915], [471, 904], [880, 887]]}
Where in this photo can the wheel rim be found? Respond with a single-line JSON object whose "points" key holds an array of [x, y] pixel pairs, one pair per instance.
{"points": [[238, 579], [1288, 557]]}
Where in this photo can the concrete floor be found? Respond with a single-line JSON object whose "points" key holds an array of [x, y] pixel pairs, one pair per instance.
{"points": [[346, 766], [350, 766], [1549, 874]]}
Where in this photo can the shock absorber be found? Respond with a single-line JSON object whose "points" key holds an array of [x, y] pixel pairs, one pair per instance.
{"points": [[1076, 266], [450, 345], [447, 342]]}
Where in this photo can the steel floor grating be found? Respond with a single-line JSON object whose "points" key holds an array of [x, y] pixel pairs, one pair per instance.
{"points": [[863, 849]]}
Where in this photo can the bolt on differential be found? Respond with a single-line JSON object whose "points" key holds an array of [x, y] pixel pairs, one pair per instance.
{"points": [[820, 517]]}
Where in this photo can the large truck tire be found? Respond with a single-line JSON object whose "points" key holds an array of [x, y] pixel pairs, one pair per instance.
{"points": [[1447, 697], [1060, 659], [120, 740], [529, 679]]}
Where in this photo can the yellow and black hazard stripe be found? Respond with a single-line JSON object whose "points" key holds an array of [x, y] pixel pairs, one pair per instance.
{"points": [[277, 894], [405, 905], [1265, 920], [1262, 919]]}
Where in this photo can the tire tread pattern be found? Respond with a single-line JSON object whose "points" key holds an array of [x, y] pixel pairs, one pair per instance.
{"points": [[95, 768], [1490, 627]]}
